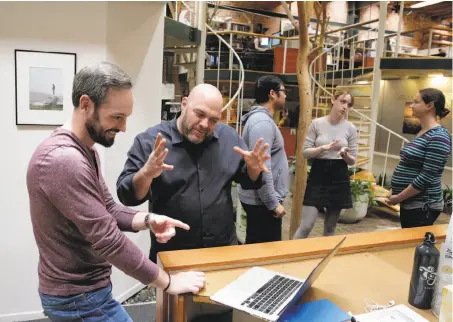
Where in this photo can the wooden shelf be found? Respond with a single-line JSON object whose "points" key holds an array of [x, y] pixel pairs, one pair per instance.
{"points": [[442, 42], [438, 31], [445, 33]]}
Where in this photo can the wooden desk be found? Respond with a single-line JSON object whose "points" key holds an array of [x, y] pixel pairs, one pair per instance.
{"points": [[376, 266]]}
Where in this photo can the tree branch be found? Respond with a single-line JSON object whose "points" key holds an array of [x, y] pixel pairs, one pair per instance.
{"points": [[290, 15]]}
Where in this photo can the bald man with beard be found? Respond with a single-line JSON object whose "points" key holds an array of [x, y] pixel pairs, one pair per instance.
{"points": [[185, 168]]}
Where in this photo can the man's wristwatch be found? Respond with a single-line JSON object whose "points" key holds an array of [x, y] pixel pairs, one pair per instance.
{"points": [[147, 221]]}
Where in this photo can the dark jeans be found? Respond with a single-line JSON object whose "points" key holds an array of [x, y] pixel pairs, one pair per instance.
{"points": [[418, 217], [262, 226], [94, 306]]}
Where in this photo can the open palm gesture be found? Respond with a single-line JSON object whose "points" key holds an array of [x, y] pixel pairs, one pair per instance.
{"points": [[155, 164], [255, 159]]}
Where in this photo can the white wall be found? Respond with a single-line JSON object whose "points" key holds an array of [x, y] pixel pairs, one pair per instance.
{"points": [[135, 41], [128, 34], [394, 95]]}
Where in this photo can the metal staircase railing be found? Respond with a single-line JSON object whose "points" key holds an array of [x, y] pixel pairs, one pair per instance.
{"points": [[239, 94], [322, 95], [358, 55]]}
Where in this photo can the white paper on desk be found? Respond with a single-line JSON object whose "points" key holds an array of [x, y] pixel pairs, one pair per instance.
{"points": [[397, 313]]}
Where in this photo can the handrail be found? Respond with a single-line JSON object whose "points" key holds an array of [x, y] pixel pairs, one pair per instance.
{"points": [[348, 27], [245, 33], [380, 125], [324, 95], [411, 31], [241, 66], [331, 95], [324, 53]]}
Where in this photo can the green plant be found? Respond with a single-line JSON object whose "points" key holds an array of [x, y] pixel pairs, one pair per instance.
{"points": [[359, 188]]}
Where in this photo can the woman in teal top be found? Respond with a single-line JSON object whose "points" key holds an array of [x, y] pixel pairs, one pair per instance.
{"points": [[417, 180]]}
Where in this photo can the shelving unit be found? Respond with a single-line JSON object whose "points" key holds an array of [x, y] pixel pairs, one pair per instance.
{"points": [[437, 37], [238, 40]]}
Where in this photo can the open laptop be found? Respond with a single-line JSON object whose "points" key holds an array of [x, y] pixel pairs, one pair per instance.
{"points": [[267, 294]]}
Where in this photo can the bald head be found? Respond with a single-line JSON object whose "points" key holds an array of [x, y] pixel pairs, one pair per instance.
{"points": [[208, 95], [200, 112]]}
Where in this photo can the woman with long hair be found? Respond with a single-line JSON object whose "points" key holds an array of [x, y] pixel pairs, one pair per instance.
{"points": [[417, 180], [332, 143]]}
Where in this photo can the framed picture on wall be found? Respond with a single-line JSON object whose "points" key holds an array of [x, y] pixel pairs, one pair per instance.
{"points": [[411, 124], [43, 86]]}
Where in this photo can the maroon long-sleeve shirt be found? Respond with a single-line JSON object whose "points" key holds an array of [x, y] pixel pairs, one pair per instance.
{"points": [[76, 223]]}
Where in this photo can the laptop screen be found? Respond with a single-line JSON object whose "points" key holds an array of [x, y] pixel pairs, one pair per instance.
{"points": [[314, 275]]}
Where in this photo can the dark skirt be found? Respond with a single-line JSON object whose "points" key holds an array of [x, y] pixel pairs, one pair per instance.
{"points": [[328, 185]]}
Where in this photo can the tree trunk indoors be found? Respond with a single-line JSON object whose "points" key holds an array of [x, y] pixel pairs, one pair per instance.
{"points": [[306, 101]]}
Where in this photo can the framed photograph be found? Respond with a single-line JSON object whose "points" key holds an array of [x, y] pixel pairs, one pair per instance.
{"points": [[43, 87], [411, 124]]}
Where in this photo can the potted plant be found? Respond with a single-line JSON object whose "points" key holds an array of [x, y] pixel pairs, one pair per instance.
{"points": [[362, 198], [447, 194]]}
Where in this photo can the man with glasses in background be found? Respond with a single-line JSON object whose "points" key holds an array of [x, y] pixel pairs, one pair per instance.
{"points": [[264, 207]]}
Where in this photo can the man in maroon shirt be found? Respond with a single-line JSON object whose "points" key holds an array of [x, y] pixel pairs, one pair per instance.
{"points": [[77, 224]]}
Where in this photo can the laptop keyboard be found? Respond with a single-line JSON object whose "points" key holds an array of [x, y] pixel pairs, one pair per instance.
{"points": [[272, 294]]}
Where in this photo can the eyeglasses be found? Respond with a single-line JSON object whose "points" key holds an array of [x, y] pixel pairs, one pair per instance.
{"points": [[284, 90]]}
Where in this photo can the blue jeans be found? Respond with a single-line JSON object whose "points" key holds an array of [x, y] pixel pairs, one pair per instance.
{"points": [[94, 306]]}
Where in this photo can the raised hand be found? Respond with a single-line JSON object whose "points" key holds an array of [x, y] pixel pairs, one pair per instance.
{"points": [[163, 227], [255, 159], [155, 165]]}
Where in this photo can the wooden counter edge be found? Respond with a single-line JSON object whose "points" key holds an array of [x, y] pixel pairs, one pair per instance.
{"points": [[246, 255]]}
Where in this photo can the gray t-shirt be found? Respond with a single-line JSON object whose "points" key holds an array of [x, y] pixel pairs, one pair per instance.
{"points": [[322, 132]]}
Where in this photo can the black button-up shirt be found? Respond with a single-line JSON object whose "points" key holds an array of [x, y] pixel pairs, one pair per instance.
{"points": [[197, 191]]}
